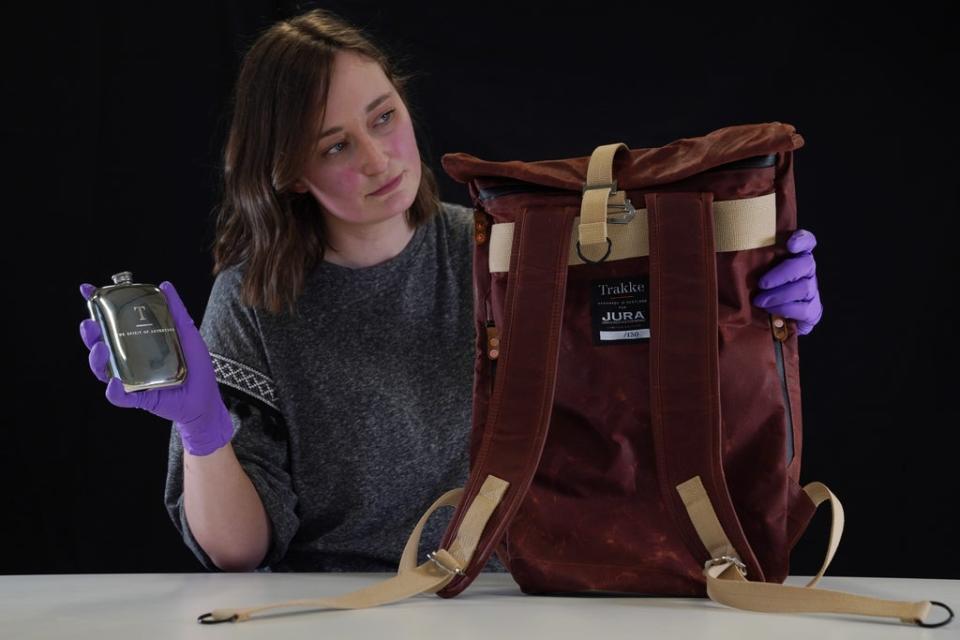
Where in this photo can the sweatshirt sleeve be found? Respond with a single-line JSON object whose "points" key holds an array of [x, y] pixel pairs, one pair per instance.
{"points": [[260, 439]]}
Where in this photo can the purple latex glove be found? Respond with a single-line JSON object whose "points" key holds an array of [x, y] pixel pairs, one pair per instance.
{"points": [[790, 288], [195, 406]]}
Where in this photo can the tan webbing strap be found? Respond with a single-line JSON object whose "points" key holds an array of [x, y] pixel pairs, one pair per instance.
{"points": [[491, 493], [727, 584], [745, 223], [598, 191], [410, 579]]}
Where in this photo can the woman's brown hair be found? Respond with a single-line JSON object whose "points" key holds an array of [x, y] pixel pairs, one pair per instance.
{"points": [[280, 94]]}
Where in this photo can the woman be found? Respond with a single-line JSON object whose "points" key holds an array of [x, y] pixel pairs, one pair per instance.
{"points": [[329, 391]]}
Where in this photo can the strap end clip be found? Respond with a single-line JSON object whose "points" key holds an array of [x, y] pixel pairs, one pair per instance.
{"points": [[742, 568], [438, 560]]}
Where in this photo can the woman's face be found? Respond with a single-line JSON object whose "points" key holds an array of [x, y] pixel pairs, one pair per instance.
{"points": [[365, 141]]}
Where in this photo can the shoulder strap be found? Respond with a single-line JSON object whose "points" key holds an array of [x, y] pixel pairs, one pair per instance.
{"points": [[727, 582], [522, 400], [684, 362], [685, 410], [411, 579]]}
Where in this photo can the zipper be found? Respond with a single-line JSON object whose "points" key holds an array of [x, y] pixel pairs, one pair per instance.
{"points": [[779, 329], [493, 344], [493, 350], [481, 233], [509, 188]]}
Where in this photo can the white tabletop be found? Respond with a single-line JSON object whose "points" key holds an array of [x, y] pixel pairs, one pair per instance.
{"points": [[166, 605]]}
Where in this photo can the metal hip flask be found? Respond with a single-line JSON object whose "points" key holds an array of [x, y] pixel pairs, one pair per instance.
{"points": [[139, 332]]}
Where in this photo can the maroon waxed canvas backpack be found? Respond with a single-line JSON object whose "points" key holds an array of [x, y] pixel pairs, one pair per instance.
{"points": [[637, 423]]}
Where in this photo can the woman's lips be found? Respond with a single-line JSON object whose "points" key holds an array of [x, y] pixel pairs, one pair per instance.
{"points": [[388, 187]]}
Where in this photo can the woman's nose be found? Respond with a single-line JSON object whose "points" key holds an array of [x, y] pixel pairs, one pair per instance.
{"points": [[374, 158]]}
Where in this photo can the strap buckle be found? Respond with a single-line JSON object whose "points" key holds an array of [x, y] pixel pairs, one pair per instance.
{"points": [[623, 213], [455, 570], [627, 212], [742, 568]]}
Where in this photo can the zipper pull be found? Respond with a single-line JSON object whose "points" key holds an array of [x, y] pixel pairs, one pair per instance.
{"points": [[778, 325], [493, 341]]}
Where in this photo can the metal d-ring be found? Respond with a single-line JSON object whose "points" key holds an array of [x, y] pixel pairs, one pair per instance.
{"points": [[609, 247], [203, 619], [938, 624]]}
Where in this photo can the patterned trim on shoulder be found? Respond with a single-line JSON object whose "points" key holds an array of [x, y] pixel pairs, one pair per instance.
{"points": [[247, 379]]}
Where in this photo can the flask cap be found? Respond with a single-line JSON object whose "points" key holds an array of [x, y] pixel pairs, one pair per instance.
{"points": [[124, 277]]}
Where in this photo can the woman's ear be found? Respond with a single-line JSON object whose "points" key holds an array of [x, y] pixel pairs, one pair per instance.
{"points": [[298, 186]]}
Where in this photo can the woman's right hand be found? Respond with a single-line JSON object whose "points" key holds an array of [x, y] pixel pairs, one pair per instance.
{"points": [[195, 406]]}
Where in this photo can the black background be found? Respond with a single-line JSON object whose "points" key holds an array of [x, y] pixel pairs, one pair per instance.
{"points": [[117, 114]]}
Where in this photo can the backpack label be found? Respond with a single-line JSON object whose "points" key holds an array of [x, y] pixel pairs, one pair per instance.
{"points": [[620, 310]]}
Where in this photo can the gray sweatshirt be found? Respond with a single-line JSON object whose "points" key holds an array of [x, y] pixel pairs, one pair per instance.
{"points": [[354, 417]]}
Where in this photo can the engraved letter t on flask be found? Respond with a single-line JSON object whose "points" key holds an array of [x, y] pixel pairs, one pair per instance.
{"points": [[139, 331]]}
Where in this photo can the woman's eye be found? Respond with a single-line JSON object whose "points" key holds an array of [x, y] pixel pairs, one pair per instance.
{"points": [[327, 152], [340, 144]]}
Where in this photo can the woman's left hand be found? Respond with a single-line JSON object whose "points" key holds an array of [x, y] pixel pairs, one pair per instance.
{"points": [[790, 288]]}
